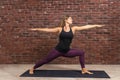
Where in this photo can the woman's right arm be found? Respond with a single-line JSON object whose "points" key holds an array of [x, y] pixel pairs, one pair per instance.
{"points": [[47, 29]]}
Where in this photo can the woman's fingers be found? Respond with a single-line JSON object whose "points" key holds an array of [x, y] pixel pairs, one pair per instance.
{"points": [[100, 25], [32, 29]]}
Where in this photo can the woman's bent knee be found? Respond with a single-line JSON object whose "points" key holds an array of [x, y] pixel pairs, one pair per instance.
{"points": [[81, 53]]}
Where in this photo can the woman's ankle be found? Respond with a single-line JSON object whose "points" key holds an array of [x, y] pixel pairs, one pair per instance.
{"points": [[32, 68], [84, 69]]}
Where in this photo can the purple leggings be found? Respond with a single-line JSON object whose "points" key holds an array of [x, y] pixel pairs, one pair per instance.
{"points": [[53, 54]]}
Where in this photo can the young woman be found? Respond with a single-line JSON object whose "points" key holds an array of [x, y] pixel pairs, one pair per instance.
{"points": [[66, 34]]}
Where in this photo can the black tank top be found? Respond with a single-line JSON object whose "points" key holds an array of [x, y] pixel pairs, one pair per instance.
{"points": [[65, 39]]}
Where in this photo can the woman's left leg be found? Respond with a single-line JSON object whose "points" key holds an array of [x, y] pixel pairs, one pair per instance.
{"points": [[81, 54]]}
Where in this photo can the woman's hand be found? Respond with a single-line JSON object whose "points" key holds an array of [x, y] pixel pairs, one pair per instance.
{"points": [[32, 29], [99, 25]]}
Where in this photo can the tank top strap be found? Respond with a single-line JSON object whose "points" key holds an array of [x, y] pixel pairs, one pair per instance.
{"points": [[62, 28], [70, 29]]}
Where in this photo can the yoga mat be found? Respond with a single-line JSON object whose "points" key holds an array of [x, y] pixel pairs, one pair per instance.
{"points": [[66, 74]]}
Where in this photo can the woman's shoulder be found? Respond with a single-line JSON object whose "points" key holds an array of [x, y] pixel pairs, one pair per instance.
{"points": [[59, 28]]}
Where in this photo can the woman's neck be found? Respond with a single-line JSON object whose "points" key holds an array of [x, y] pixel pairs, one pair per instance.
{"points": [[67, 25]]}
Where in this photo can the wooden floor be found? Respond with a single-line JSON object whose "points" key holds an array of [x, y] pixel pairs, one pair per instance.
{"points": [[12, 71]]}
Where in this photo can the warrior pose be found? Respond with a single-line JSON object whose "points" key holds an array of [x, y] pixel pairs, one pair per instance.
{"points": [[66, 33]]}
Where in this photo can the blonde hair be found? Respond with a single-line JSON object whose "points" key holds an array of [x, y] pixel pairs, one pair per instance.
{"points": [[62, 23]]}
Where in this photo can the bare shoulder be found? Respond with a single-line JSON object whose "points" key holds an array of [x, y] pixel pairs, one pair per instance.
{"points": [[77, 28], [59, 29]]}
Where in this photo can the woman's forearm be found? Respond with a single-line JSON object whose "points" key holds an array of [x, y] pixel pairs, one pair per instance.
{"points": [[39, 29], [43, 29]]}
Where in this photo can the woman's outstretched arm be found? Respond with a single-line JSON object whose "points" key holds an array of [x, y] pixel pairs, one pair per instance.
{"points": [[86, 27], [46, 29]]}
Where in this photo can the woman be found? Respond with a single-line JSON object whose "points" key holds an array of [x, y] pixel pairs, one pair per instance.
{"points": [[63, 47]]}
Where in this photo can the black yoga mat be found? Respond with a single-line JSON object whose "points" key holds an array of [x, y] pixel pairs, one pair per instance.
{"points": [[66, 74]]}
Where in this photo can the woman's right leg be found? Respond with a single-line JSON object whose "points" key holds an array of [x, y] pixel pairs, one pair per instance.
{"points": [[51, 56]]}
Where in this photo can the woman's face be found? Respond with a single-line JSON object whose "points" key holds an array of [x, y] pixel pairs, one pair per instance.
{"points": [[69, 20]]}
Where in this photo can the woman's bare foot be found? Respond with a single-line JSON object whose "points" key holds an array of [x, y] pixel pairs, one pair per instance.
{"points": [[85, 71], [31, 71]]}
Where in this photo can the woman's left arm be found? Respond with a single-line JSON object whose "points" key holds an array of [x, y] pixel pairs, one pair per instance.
{"points": [[86, 27]]}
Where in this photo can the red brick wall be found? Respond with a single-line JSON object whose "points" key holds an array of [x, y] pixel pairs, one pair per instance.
{"points": [[18, 45]]}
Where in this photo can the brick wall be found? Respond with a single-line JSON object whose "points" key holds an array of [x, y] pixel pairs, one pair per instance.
{"points": [[18, 45]]}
